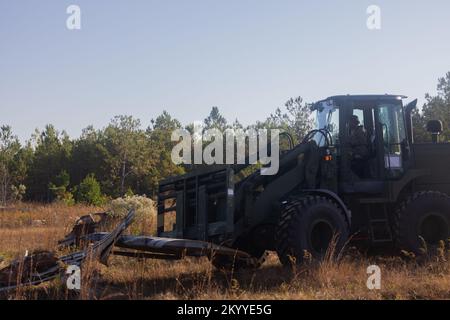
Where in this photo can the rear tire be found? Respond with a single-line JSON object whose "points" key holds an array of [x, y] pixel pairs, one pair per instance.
{"points": [[424, 215], [309, 224]]}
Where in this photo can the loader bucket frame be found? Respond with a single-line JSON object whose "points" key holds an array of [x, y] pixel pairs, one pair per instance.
{"points": [[201, 202]]}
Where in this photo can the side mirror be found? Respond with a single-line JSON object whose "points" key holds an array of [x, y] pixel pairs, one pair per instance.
{"points": [[435, 128]]}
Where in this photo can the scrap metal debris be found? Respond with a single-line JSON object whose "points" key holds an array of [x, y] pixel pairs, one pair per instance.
{"points": [[167, 248], [83, 226], [32, 269], [44, 265]]}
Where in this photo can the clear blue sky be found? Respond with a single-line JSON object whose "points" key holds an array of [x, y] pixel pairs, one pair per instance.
{"points": [[245, 56]]}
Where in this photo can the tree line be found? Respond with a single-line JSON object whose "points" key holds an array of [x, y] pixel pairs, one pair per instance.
{"points": [[119, 159], [125, 158]]}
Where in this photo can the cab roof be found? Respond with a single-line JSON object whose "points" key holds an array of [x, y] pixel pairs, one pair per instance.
{"points": [[369, 96], [365, 97]]}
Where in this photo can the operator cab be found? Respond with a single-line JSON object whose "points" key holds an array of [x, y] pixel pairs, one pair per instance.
{"points": [[368, 137]]}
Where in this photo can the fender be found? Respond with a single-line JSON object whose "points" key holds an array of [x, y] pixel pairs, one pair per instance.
{"points": [[396, 187], [335, 197]]}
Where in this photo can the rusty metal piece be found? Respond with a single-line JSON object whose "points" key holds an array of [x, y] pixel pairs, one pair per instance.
{"points": [[29, 269], [83, 226]]}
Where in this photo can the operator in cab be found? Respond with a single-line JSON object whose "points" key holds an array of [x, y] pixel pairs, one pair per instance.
{"points": [[359, 153]]}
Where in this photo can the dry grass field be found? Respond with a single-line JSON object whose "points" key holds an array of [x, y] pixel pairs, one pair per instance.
{"points": [[30, 227]]}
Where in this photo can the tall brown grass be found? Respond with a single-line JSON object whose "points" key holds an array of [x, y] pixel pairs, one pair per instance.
{"points": [[127, 278]]}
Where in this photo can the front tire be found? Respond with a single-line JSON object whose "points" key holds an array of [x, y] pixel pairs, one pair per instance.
{"points": [[310, 224], [425, 215]]}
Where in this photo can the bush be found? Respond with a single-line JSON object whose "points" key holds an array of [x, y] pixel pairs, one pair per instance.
{"points": [[17, 192], [89, 191], [145, 217], [59, 189]]}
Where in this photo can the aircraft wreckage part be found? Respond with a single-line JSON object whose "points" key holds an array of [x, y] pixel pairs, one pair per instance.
{"points": [[172, 248], [84, 225], [33, 269], [44, 266]]}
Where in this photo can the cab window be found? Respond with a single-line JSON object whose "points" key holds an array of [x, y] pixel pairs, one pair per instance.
{"points": [[390, 117]]}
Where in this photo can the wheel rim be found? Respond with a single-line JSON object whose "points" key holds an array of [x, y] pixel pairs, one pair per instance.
{"points": [[321, 234], [433, 228]]}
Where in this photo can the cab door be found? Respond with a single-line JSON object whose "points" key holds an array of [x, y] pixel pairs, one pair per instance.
{"points": [[392, 134], [365, 111], [371, 181]]}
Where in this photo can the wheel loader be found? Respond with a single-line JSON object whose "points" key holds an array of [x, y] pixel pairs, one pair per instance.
{"points": [[398, 197], [326, 195]]}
